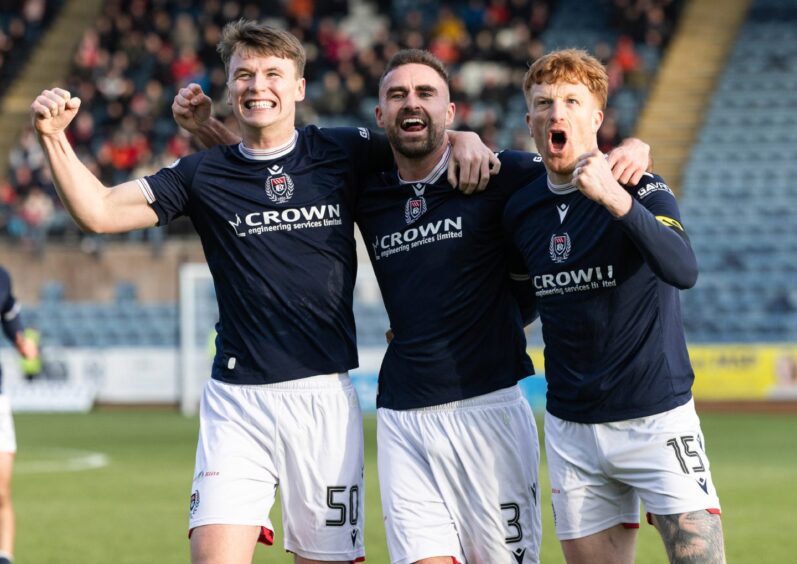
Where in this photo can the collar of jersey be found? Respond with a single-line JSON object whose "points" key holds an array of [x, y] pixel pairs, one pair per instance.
{"points": [[561, 189], [269, 154], [436, 173]]}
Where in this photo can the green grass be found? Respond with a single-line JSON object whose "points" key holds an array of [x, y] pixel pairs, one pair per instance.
{"points": [[135, 508]]}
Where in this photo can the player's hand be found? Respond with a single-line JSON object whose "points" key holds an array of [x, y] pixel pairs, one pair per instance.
{"points": [[472, 162], [630, 161], [594, 178], [53, 110], [26, 347], [191, 107]]}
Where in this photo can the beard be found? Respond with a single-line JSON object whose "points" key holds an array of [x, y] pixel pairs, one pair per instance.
{"points": [[420, 146]]}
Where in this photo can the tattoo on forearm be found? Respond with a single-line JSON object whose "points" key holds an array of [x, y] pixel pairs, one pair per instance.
{"points": [[692, 538]]}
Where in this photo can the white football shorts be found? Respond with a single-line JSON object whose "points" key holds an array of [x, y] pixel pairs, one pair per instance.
{"points": [[304, 436], [460, 479], [600, 472], [8, 436]]}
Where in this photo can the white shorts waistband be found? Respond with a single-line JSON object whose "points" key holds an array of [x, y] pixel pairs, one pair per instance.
{"points": [[336, 381], [498, 397]]}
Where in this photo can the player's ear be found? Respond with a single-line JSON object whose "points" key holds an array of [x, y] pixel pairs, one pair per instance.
{"points": [[597, 120], [451, 111], [378, 113], [300, 89], [528, 123]]}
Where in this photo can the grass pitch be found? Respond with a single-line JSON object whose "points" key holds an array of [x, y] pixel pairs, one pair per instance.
{"points": [[113, 488]]}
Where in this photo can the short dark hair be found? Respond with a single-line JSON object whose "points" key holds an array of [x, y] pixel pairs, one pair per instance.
{"points": [[248, 36], [415, 56]]}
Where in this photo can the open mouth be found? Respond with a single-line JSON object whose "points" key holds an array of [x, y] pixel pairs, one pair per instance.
{"points": [[259, 105], [413, 124], [558, 139]]}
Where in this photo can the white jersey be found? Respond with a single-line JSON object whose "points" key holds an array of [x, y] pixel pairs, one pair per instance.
{"points": [[303, 436], [460, 479], [600, 472]]}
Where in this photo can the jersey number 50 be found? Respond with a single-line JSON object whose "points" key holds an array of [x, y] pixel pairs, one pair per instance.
{"points": [[353, 508]]}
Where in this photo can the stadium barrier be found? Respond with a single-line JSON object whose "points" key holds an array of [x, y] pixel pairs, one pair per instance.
{"points": [[74, 379]]}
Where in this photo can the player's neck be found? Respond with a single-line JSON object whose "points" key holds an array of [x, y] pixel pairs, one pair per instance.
{"points": [[411, 169], [269, 138], [558, 179]]}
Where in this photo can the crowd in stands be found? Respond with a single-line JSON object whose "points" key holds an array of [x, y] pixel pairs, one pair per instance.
{"points": [[129, 65], [21, 25]]}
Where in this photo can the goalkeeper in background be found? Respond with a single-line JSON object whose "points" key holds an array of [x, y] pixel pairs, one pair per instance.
{"points": [[14, 331]]}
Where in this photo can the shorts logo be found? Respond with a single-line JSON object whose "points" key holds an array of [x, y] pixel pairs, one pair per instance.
{"points": [[194, 502], [415, 207], [354, 537], [703, 483], [279, 186], [560, 246], [519, 554]]}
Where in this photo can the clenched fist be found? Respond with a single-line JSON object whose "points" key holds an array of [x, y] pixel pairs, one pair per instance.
{"points": [[593, 177], [191, 107], [53, 110]]}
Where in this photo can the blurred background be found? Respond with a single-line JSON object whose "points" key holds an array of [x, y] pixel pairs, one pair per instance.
{"points": [[128, 320]]}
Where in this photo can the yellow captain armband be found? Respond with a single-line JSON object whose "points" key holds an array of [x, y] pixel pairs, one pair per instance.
{"points": [[670, 222]]}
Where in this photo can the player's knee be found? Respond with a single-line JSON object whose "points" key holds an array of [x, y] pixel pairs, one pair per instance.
{"points": [[438, 560]]}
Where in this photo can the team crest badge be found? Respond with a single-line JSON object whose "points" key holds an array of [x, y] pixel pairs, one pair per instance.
{"points": [[559, 248], [415, 207], [279, 186]]}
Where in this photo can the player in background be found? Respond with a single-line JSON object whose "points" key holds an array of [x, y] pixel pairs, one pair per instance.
{"points": [[273, 215], [441, 262], [606, 263], [15, 333]]}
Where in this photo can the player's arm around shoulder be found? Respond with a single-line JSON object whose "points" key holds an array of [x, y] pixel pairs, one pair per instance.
{"points": [[472, 163], [93, 206]]}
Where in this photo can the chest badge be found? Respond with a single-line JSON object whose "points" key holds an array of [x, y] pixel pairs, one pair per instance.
{"points": [[560, 246], [279, 186], [415, 207]]}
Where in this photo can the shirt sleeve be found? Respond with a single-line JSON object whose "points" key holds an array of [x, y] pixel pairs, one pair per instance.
{"points": [[9, 308], [168, 190], [368, 150], [654, 224], [518, 169]]}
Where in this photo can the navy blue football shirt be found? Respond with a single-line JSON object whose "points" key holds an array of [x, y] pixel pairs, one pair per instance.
{"points": [[607, 296], [9, 309], [276, 228], [441, 262]]}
